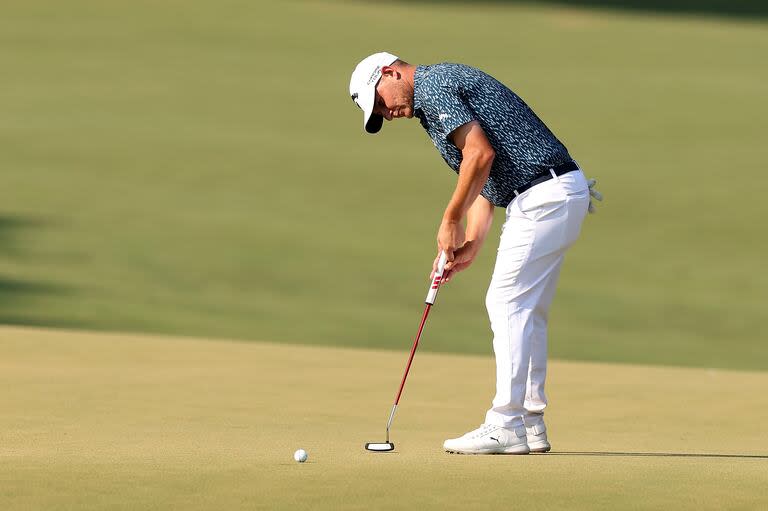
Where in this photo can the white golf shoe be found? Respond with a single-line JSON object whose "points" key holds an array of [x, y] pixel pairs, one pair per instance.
{"points": [[489, 439], [537, 438]]}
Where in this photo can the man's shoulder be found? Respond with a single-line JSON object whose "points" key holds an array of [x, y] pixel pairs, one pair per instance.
{"points": [[448, 73], [437, 84]]}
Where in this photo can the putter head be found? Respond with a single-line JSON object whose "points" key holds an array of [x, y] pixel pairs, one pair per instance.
{"points": [[380, 446]]}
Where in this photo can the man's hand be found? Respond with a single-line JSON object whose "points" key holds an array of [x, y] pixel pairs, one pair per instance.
{"points": [[449, 238], [463, 258]]}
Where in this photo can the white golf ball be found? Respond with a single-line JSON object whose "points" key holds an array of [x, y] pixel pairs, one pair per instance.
{"points": [[300, 455]]}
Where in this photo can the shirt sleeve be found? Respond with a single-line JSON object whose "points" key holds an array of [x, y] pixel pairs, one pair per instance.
{"points": [[452, 110]]}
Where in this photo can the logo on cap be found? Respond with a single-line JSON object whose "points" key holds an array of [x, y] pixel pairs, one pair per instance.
{"points": [[374, 76]]}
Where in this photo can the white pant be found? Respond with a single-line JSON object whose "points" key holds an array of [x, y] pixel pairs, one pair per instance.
{"points": [[541, 224]]}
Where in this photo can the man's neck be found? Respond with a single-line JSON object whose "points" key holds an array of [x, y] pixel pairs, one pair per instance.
{"points": [[407, 71]]}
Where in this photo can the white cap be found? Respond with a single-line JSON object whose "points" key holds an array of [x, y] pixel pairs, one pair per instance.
{"points": [[362, 87]]}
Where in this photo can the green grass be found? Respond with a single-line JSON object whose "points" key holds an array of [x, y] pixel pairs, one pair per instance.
{"points": [[94, 421], [197, 168]]}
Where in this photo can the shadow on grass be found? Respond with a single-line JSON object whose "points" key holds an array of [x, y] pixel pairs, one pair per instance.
{"points": [[746, 9], [18, 298], [659, 454]]}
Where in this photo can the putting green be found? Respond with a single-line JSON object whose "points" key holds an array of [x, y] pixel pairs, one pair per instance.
{"points": [[94, 421]]}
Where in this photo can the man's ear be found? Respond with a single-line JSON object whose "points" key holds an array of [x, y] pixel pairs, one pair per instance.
{"points": [[390, 72]]}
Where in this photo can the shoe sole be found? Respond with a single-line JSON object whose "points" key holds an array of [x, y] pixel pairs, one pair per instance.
{"points": [[540, 447], [515, 450]]}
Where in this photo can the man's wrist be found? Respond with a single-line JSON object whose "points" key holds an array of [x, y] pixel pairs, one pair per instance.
{"points": [[450, 218], [476, 242]]}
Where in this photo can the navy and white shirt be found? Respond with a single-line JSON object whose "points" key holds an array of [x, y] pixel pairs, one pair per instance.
{"points": [[447, 96]]}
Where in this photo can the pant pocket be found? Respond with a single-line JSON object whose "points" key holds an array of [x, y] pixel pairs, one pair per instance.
{"points": [[542, 199]]}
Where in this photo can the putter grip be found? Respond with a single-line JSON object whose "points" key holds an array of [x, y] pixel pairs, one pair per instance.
{"points": [[436, 280]]}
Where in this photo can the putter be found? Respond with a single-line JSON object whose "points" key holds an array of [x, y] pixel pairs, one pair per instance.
{"points": [[430, 301]]}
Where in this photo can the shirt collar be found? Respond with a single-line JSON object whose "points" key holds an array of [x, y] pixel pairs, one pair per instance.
{"points": [[417, 92]]}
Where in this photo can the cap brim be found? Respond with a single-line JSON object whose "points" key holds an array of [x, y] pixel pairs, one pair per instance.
{"points": [[374, 123], [371, 122]]}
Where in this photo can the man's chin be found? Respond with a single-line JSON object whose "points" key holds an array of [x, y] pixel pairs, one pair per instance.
{"points": [[407, 114]]}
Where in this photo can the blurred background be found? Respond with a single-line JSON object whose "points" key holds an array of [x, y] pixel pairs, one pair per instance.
{"points": [[197, 168]]}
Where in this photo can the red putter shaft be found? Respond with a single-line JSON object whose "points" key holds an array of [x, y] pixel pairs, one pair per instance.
{"points": [[413, 350]]}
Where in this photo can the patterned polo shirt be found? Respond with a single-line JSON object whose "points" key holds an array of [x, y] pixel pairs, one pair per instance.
{"points": [[447, 96]]}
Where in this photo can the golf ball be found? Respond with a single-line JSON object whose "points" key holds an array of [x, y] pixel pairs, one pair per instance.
{"points": [[300, 455]]}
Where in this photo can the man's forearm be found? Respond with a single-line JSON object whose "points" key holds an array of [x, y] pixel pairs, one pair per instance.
{"points": [[479, 220], [473, 174]]}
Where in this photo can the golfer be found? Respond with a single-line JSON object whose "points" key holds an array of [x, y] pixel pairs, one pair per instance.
{"points": [[505, 157]]}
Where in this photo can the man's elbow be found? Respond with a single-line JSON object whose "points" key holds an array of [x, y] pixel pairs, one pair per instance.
{"points": [[483, 158], [487, 158]]}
